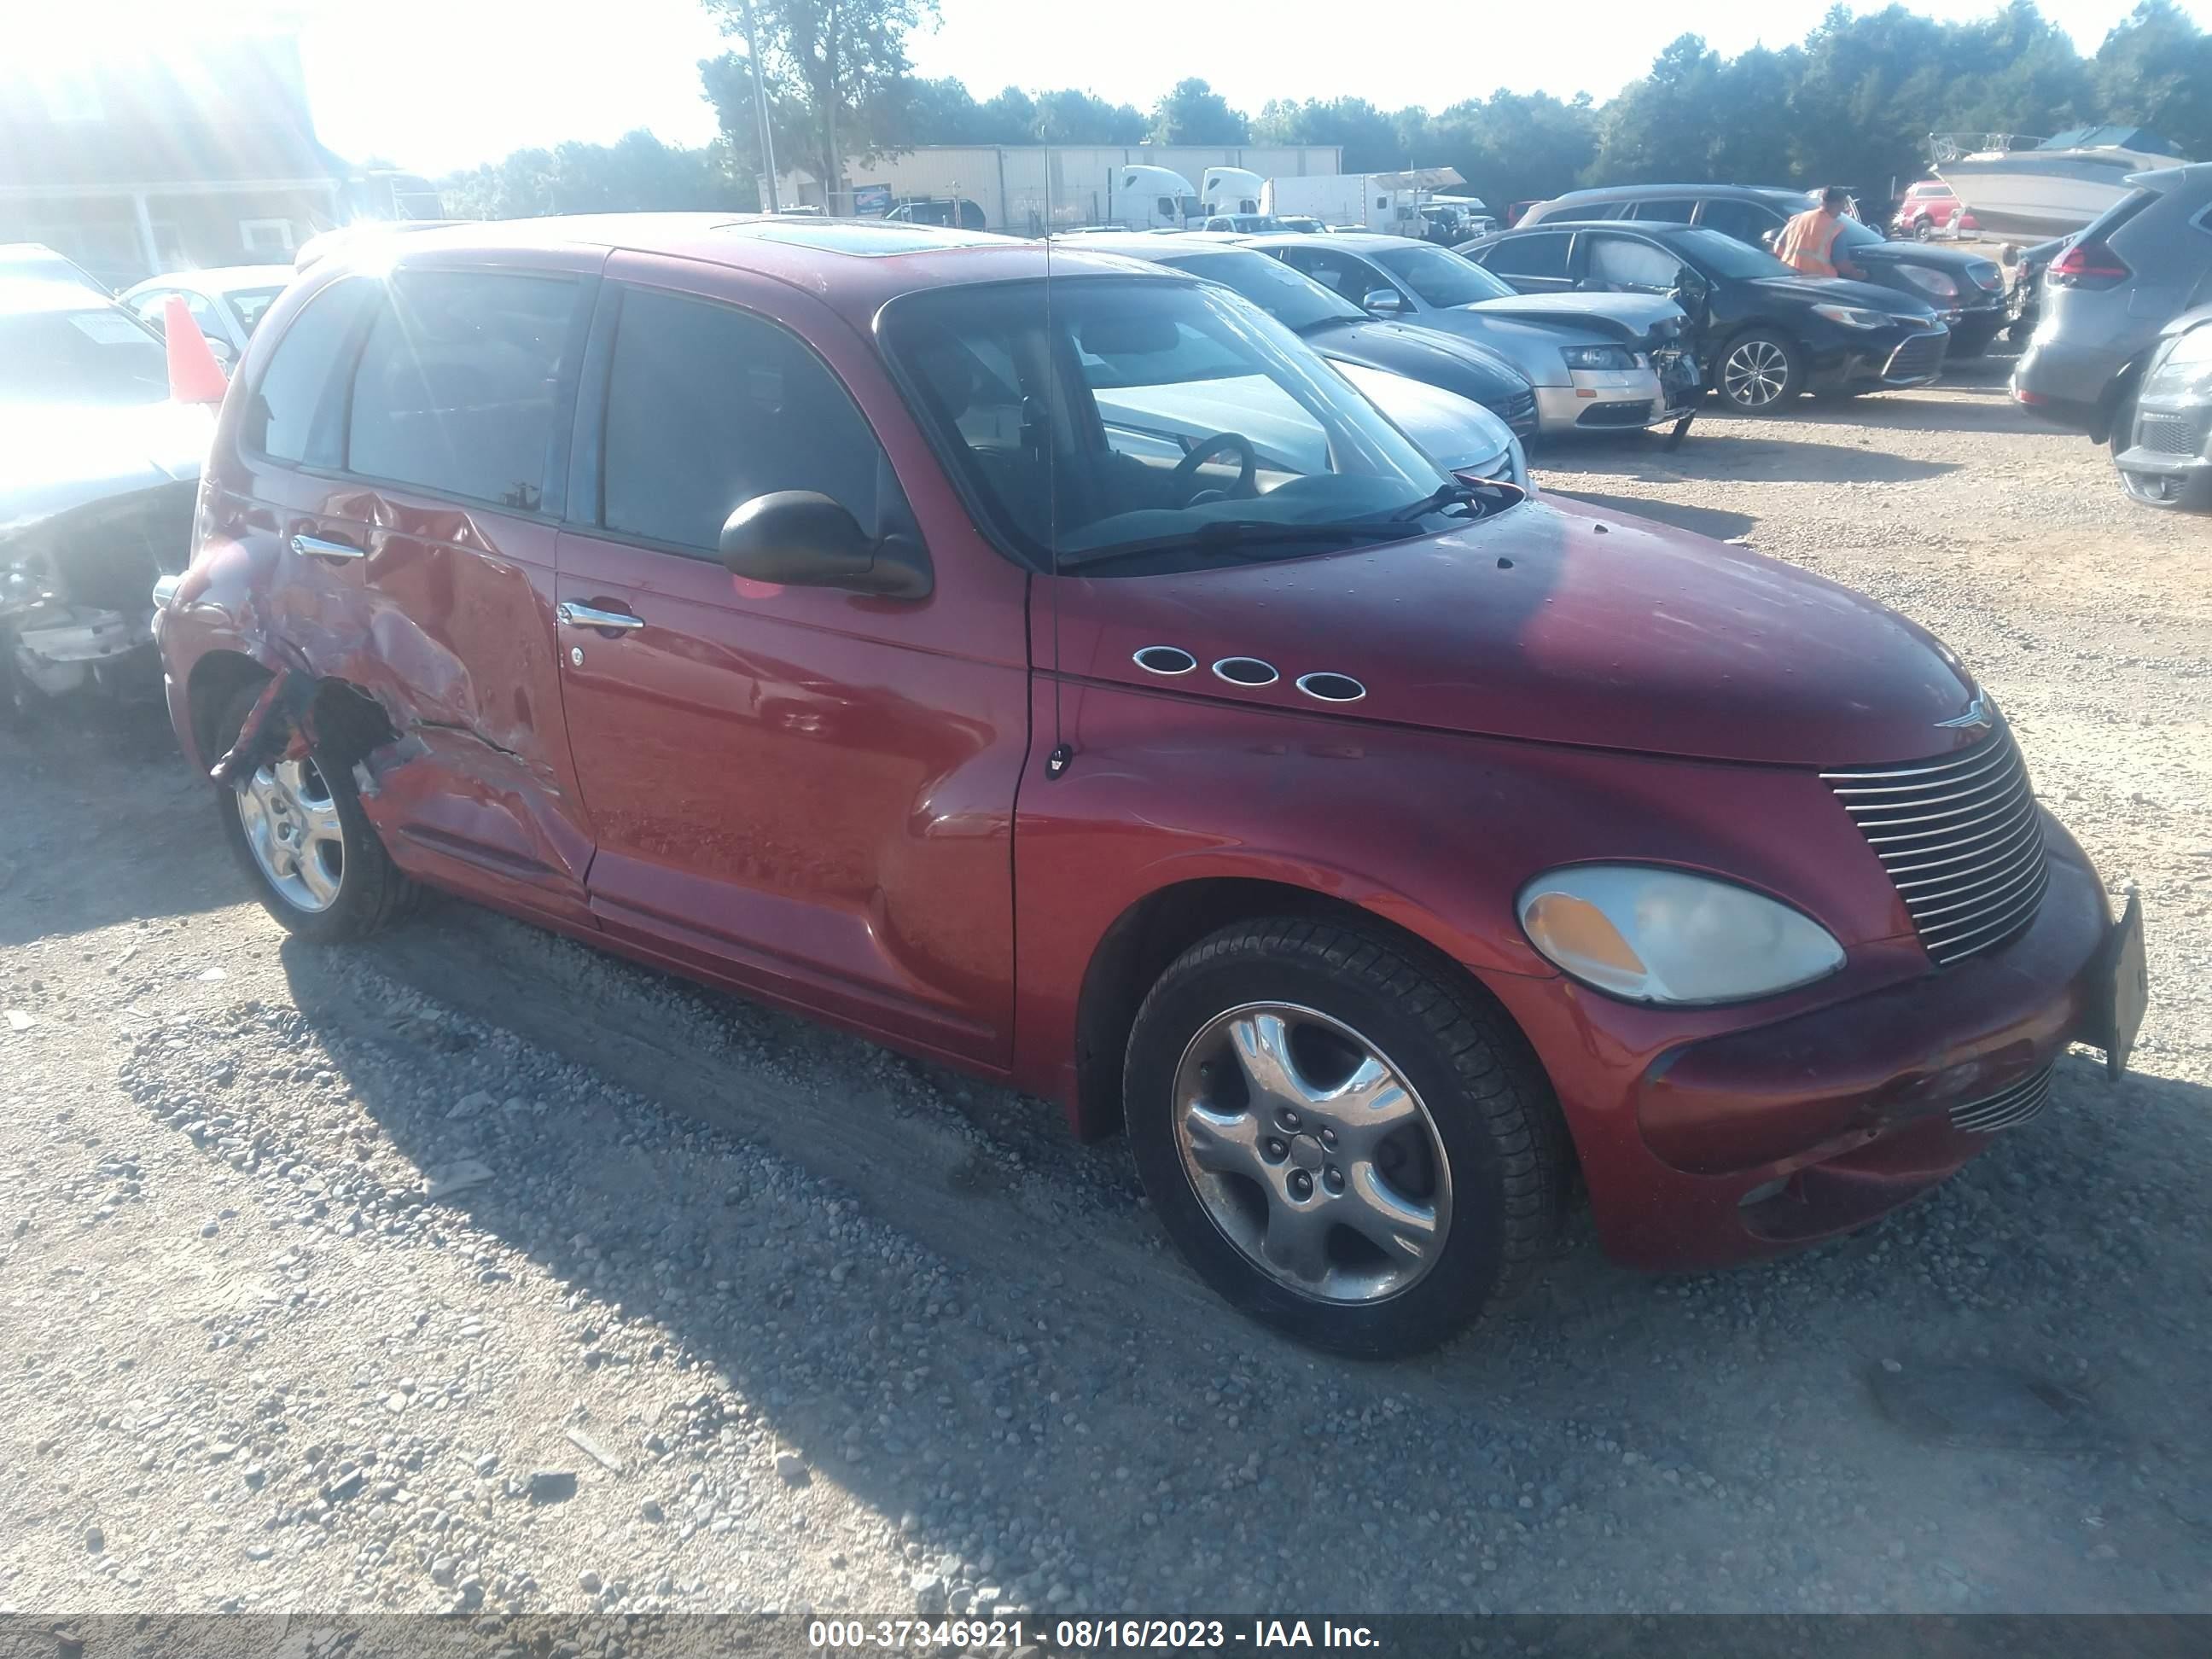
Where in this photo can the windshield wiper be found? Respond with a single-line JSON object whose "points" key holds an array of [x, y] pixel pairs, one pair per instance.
{"points": [[1459, 494], [1231, 535]]}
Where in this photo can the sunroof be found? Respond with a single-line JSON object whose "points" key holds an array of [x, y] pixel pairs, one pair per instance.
{"points": [[862, 240]]}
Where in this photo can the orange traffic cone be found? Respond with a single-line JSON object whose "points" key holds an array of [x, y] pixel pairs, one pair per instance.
{"points": [[195, 377]]}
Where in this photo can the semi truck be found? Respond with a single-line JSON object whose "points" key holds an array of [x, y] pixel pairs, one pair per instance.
{"points": [[1389, 202], [1151, 198], [1231, 189]]}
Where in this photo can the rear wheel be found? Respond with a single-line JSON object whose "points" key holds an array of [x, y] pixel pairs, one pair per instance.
{"points": [[1761, 373], [1342, 1141], [297, 830]]}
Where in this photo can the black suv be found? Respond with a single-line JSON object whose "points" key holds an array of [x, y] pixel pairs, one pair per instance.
{"points": [[1965, 290], [1763, 334]]}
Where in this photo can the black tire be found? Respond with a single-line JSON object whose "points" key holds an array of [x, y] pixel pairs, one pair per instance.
{"points": [[1768, 351], [1488, 1101], [371, 891]]}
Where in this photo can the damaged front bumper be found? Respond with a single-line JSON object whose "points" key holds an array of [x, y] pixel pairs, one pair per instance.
{"points": [[76, 605], [59, 648]]}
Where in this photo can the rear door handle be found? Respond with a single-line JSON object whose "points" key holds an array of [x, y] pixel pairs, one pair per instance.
{"points": [[583, 615], [315, 547]]}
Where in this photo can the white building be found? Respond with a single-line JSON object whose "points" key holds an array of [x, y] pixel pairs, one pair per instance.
{"points": [[1029, 188]]}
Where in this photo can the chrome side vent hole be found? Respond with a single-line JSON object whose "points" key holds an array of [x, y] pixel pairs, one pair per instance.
{"points": [[1164, 659], [1332, 688], [1246, 670]]}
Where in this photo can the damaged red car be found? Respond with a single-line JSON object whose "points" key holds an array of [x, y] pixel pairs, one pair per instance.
{"points": [[1042, 663]]}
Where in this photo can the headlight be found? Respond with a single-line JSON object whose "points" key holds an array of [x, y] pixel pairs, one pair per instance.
{"points": [[1598, 357], [2185, 360], [1932, 282], [1657, 935], [1853, 317]]}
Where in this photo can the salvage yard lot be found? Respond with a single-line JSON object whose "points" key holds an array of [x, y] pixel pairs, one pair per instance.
{"points": [[255, 1368]]}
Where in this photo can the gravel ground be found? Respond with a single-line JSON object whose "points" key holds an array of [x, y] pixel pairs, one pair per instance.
{"points": [[473, 1270]]}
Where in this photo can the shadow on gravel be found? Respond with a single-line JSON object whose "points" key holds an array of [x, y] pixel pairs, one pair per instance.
{"points": [[1918, 1417], [87, 789], [1712, 521], [1764, 450]]}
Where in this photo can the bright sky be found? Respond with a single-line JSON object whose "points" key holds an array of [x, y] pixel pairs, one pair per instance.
{"points": [[438, 84]]}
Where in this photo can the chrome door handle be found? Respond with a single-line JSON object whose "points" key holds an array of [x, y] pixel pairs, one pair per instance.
{"points": [[583, 615], [316, 547]]}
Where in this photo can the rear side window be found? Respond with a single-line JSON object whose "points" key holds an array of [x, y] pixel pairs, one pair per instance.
{"points": [[1746, 222], [281, 418], [458, 385], [709, 407], [1591, 210], [1544, 254], [1671, 209], [2102, 228]]}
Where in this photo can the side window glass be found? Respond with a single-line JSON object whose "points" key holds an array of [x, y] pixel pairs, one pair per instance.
{"points": [[299, 383], [456, 387], [1673, 210], [1620, 262], [1746, 222], [153, 310], [708, 407], [1528, 256]]}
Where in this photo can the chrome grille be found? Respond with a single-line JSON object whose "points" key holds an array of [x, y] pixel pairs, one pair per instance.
{"points": [[2000, 1111], [1920, 358], [1962, 838], [1519, 413]]}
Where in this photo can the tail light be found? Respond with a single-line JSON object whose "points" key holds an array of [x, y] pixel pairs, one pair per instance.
{"points": [[2088, 265]]}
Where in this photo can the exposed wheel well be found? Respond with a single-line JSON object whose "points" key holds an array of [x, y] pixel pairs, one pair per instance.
{"points": [[1159, 927], [346, 720]]}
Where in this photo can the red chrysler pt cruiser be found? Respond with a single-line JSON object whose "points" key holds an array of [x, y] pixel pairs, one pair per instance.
{"points": [[1043, 663]]}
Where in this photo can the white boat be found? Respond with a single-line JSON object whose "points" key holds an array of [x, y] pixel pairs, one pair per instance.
{"points": [[2034, 188]]}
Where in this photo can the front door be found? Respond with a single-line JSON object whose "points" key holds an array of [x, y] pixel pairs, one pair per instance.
{"points": [[805, 790]]}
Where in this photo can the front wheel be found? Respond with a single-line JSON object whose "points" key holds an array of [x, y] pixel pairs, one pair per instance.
{"points": [[297, 830], [1345, 1142], [1761, 373]]}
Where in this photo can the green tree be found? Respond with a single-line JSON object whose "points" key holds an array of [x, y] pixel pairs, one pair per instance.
{"points": [[2156, 69], [637, 173], [1368, 136], [843, 59], [1193, 113]]}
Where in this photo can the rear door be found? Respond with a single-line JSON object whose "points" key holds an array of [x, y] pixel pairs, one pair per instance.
{"points": [[804, 791], [1534, 261], [433, 556]]}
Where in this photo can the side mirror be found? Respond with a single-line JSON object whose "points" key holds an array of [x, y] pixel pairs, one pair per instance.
{"points": [[226, 355], [801, 538], [1384, 302]]}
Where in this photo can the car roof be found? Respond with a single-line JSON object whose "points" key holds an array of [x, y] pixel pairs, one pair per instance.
{"points": [[854, 265], [1356, 241], [1649, 192], [21, 296], [1155, 247], [222, 279]]}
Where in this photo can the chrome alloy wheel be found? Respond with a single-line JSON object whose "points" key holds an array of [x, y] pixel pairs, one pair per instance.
{"points": [[292, 830], [1312, 1153], [1754, 374]]}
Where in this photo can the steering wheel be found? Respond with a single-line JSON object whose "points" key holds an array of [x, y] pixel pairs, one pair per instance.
{"points": [[1184, 480]]}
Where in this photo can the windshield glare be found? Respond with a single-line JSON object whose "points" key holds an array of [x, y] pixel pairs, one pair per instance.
{"points": [[1291, 297], [97, 357], [1849, 233], [1723, 256], [1129, 411], [1439, 278]]}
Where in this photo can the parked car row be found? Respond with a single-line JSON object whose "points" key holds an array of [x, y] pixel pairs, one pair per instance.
{"points": [[2117, 350]]}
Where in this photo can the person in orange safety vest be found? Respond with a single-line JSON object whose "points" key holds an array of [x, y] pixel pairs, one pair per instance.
{"points": [[1808, 242]]}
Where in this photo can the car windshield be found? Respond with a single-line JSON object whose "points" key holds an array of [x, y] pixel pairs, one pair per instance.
{"points": [[1723, 256], [1127, 417], [250, 305], [1439, 278], [1852, 233], [1291, 297], [98, 356]]}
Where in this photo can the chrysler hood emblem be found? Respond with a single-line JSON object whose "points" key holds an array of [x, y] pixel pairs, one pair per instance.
{"points": [[1978, 715]]}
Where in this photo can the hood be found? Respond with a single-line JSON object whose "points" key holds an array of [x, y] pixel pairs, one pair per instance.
{"points": [[1532, 348], [1457, 433], [56, 458], [1971, 272], [1630, 319], [1603, 631], [1464, 366], [1841, 291]]}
